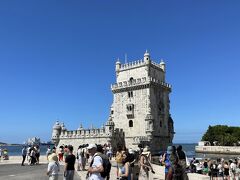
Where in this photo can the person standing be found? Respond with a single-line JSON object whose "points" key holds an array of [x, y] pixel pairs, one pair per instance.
{"points": [[69, 164], [125, 171], [79, 158], [0, 153], [145, 164], [96, 166], [182, 161], [37, 150], [24, 154], [48, 152], [53, 167]]}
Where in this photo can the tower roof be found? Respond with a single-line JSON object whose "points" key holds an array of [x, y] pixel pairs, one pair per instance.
{"points": [[146, 53], [162, 62], [57, 125], [118, 61]]}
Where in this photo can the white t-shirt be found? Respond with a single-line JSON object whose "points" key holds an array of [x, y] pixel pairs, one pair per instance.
{"points": [[53, 168], [220, 168], [97, 161], [233, 167]]}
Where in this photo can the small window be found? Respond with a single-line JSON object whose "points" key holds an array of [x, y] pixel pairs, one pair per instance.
{"points": [[130, 123], [130, 94], [160, 123], [130, 107], [112, 111]]}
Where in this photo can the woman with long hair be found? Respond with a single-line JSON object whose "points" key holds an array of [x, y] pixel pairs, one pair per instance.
{"points": [[124, 172], [145, 164]]}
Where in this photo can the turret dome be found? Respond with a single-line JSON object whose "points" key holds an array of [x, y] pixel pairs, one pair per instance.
{"points": [[57, 125], [146, 53], [162, 62]]}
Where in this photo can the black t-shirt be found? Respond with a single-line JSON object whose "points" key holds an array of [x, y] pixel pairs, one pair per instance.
{"points": [[70, 160], [131, 159], [181, 155]]}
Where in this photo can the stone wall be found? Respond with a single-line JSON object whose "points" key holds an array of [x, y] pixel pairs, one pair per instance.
{"points": [[159, 170], [218, 149]]}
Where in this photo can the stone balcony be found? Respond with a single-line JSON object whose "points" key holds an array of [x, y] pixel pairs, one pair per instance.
{"points": [[139, 82]]}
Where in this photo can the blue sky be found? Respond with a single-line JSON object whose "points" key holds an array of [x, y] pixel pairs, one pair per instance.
{"points": [[57, 61]]}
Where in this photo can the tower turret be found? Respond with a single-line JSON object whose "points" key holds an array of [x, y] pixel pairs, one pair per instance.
{"points": [[146, 57], [56, 133], [80, 127], [162, 65], [118, 66], [109, 127]]}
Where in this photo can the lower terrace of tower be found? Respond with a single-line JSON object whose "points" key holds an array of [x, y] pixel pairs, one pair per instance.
{"points": [[100, 132]]}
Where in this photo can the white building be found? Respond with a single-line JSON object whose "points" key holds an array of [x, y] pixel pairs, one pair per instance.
{"points": [[139, 113]]}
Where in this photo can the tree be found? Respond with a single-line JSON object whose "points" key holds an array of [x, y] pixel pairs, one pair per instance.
{"points": [[226, 136]]}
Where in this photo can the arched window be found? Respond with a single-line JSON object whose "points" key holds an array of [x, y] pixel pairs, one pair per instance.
{"points": [[131, 79], [130, 123]]}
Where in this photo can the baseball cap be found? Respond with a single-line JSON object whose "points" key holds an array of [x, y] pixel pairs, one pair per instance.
{"points": [[91, 146]]}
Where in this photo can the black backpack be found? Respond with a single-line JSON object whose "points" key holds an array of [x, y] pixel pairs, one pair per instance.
{"points": [[106, 165]]}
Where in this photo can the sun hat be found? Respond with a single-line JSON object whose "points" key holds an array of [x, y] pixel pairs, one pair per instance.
{"points": [[53, 157], [91, 146], [146, 151]]}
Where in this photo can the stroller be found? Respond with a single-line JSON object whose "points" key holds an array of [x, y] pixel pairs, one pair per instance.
{"points": [[5, 154]]}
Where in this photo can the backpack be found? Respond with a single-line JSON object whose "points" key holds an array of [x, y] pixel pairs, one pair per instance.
{"points": [[106, 165]]}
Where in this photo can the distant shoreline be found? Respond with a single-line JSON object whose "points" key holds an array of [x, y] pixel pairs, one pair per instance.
{"points": [[24, 144], [10, 144]]}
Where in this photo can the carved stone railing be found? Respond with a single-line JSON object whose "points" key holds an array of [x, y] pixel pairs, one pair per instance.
{"points": [[139, 81]]}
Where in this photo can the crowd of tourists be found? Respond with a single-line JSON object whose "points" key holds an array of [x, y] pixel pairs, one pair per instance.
{"points": [[130, 164], [217, 169], [98, 159], [176, 167], [32, 154]]}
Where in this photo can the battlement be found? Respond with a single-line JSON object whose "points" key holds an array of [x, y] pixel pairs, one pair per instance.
{"points": [[139, 81], [85, 133], [136, 64]]}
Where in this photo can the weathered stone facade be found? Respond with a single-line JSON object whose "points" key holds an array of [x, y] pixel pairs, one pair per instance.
{"points": [[141, 104], [139, 113]]}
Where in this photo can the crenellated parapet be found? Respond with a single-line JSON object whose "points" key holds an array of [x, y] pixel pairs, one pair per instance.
{"points": [[106, 131], [138, 83], [137, 64]]}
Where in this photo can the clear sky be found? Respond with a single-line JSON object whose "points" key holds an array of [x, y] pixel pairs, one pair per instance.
{"points": [[57, 61]]}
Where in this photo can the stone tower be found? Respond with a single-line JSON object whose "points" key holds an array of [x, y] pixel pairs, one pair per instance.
{"points": [[141, 103]]}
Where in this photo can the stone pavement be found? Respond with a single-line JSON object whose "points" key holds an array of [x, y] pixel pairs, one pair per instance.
{"points": [[113, 175], [10, 169]]}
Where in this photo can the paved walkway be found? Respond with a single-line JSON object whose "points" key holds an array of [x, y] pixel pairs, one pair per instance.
{"points": [[113, 174], [12, 170]]}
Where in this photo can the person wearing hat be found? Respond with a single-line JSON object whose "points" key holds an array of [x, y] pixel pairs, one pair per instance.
{"points": [[53, 167], [96, 166], [145, 164]]}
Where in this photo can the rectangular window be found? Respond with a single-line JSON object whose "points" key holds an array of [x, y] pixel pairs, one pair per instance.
{"points": [[130, 94]]}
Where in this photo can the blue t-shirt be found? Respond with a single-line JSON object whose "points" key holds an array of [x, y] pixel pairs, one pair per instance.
{"points": [[167, 162]]}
